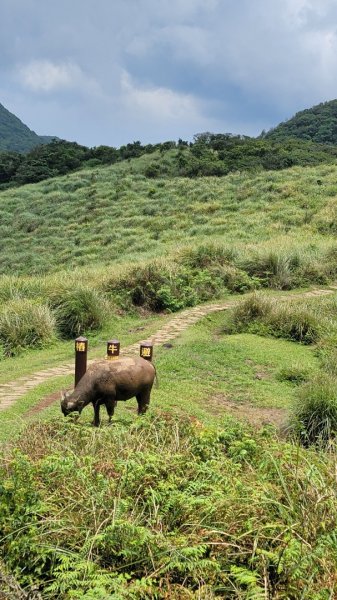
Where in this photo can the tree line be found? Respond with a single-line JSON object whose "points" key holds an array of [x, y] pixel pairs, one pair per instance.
{"points": [[208, 154], [61, 157]]}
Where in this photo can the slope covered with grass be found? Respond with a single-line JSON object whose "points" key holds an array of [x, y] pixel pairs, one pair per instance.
{"points": [[185, 503], [76, 248], [113, 214]]}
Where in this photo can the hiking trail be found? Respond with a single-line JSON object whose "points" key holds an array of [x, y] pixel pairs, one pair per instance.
{"points": [[12, 391]]}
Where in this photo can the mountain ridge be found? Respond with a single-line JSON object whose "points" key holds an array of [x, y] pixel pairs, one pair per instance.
{"points": [[15, 136], [317, 124]]}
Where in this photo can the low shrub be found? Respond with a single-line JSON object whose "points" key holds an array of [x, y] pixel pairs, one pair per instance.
{"points": [[160, 286], [233, 279], [294, 374], [286, 270], [254, 308], [260, 315], [271, 269], [315, 413], [294, 323], [166, 508], [78, 309], [25, 324]]}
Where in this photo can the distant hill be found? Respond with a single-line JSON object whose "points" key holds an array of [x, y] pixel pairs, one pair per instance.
{"points": [[15, 136], [318, 124]]}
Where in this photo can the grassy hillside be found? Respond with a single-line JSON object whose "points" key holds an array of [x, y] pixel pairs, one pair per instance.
{"points": [[318, 124], [75, 248], [113, 214], [15, 136], [203, 497]]}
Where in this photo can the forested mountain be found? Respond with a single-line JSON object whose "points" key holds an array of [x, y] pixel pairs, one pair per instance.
{"points": [[15, 136], [318, 124], [309, 138]]}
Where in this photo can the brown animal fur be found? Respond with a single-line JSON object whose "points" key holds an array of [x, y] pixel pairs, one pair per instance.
{"points": [[107, 382]]}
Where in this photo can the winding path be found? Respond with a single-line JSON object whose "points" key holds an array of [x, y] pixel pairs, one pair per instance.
{"points": [[12, 391]]}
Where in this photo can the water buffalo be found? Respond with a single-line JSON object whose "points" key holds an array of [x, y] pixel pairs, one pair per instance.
{"points": [[106, 382]]}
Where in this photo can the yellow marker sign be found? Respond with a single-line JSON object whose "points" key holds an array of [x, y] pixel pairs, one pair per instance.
{"points": [[146, 352], [80, 346], [113, 348]]}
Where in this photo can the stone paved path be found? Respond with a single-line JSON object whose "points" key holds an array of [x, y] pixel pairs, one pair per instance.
{"points": [[14, 390]]}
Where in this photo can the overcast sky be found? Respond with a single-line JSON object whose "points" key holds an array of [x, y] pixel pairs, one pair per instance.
{"points": [[114, 71]]}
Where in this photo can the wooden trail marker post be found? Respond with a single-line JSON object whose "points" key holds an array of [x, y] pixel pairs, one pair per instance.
{"points": [[112, 349], [146, 351], [81, 351]]}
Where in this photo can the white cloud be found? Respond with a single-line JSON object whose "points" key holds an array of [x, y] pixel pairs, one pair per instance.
{"points": [[47, 76], [158, 102], [43, 75]]}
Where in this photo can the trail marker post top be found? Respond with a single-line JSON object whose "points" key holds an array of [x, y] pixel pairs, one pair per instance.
{"points": [[146, 351], [112, 349], [81, 351]]}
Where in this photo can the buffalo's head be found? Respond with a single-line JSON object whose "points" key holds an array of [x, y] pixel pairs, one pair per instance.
{"points": [[68, 405]]}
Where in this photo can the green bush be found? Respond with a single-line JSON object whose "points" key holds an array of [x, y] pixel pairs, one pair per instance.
{"points": [[285, 270], [233, 279], [255, 307], [315, 414], [294, 374], [25, 324], [166, 508], [78, 310], [258, 314], [272, 269], [160, 286], [294, 323]]}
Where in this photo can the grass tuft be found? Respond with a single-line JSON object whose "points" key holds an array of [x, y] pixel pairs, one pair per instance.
{"points": [[78, 309], [260, 315], [25, 324], [315, 413]]}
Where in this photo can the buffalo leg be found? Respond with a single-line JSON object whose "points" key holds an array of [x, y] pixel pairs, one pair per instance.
{"points": [[96, 413], [143, 400], [110, 408]]}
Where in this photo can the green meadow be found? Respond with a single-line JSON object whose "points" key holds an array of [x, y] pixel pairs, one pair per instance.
{"points": [[226, 487], [114, 215]]}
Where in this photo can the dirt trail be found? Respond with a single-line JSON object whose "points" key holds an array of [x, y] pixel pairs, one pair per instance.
{"points": [[12, 391]]}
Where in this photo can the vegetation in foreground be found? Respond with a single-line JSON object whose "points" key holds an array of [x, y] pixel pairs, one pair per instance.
{"points": [[179, 504], [185, 503], [168, 508]]}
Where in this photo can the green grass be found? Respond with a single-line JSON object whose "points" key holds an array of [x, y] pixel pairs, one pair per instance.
{"points": [[128, 329], [167, 509], [185, 502], [111, 240], [203, 371], [113, 215]]}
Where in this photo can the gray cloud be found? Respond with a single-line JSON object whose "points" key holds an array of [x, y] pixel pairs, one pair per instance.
{"points": [[109, 72]]}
